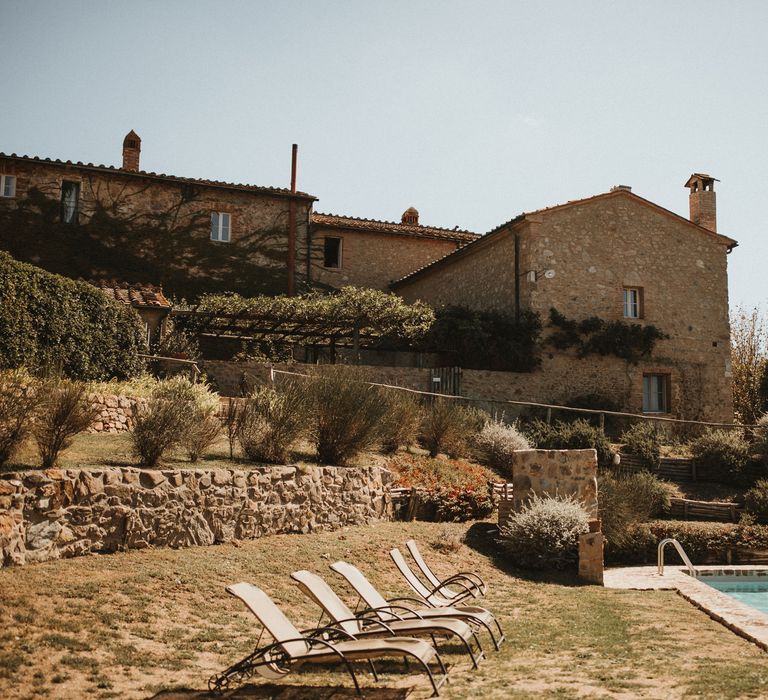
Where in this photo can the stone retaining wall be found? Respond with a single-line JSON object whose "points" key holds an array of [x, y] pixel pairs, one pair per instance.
{"points": [[64, 513], [552, 472], [115, 413]]}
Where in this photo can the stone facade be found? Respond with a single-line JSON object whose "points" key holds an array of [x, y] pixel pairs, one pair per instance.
{"points": [[63, 513], [115, 413], [376, 253], [596, 248], [555, 472], [144, 227]]}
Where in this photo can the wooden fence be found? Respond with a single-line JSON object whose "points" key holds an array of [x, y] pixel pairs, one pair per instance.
{"points": [[686, 509]]}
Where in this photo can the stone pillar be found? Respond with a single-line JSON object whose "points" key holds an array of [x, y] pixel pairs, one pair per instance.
{"points": [[591, 554]]}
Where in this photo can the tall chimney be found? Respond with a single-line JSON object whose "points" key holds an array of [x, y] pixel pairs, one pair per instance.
{"points": [[131, 151], [702, 200]]}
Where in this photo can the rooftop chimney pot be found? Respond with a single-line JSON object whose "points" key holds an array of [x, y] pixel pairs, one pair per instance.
{"points": [[702, 201], [410, 217], [131, 151]]}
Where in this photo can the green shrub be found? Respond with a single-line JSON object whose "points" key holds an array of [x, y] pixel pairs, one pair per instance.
{"points": [[545, 533], [49, 322], [756, 501], [485, 339], [628, 499], [167, 419], [401, 421], [578, 435], [202, 431], [452, 489], [345, 413], [271, 421], [643, 441], [447, 426], [497, 443], [18, 403], [705, 543], [721, 452], [64, 411]]}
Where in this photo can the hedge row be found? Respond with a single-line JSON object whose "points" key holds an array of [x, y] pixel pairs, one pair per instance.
{"points": [[49, 323], [705, 543]]}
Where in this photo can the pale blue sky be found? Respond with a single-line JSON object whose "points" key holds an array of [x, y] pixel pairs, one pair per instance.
{"points": [[470, 111]]}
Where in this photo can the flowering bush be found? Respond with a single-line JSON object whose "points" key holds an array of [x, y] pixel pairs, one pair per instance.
{"points": [[452, 489], [545, 533]]}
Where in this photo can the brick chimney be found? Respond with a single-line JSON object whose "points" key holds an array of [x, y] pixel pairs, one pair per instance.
{"points": [[410, 217], [131, 151], [702, 200]]}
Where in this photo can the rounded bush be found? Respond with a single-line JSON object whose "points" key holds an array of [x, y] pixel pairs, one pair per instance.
{"points": [[171, 418], [722, 452], [497, 443], [271, 421], [643, 441], [545, 533]]}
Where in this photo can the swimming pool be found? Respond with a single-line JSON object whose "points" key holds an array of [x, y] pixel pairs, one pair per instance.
{"points": [[747, 586]]}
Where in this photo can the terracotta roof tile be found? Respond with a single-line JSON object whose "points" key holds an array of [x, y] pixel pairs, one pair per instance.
{"points": [[375, 226], [161, 176], [136, 294]]}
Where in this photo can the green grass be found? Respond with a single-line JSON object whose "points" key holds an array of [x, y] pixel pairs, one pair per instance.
{"points": [[131, 624]]}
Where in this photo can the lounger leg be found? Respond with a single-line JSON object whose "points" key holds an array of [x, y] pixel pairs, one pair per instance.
{"points": [[501, 633], [373, 670], [430, 675]]}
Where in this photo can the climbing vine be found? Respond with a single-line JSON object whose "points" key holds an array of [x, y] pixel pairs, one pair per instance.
{"points": [[595, 336]]}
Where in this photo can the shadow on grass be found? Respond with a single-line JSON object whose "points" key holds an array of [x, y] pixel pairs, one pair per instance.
{"points": [[283, 692], [483, 536]]}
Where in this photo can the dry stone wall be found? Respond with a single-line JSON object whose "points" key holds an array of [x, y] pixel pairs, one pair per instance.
{"points": [[115, 413], [64, 513]]}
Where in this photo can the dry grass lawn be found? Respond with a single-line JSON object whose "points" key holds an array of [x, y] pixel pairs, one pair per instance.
{"points": [[146, 623]]}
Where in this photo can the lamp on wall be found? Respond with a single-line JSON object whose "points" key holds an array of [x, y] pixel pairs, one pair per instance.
{"points": [[535, 275]]}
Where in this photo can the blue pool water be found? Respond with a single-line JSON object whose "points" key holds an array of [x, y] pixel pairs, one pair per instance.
{"points": [[754, 593]]}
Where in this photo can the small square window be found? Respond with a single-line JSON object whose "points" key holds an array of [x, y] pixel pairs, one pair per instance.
{"points": [[70, 202], [633, 302], [656, 393], [7, 185], [332, 252], [220, 226]]}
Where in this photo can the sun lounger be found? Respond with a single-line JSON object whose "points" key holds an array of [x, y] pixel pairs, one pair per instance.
{"points": [[292, 648], [467, 578], [399, 608], [432, 596], [365, 624]]}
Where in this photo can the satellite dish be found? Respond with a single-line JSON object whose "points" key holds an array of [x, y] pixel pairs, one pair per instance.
{"points": [[549, 274]]}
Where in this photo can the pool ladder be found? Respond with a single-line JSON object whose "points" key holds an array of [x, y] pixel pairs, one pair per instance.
{"points": [[691, 570]]}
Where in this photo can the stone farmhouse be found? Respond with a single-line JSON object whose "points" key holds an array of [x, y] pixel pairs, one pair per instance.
{"points": [[194, 236], [616, 256]]}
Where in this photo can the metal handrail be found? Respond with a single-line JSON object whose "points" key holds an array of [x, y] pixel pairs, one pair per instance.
{"points": [[669, 540]]}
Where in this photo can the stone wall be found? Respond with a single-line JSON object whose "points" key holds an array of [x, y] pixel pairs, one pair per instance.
{"points": [[153, 228], [596, 248], [63, 513], [115, 413], [553, 472], [370, 259]]}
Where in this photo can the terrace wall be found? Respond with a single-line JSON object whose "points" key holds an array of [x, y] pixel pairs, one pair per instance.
{"points": [[60, 513]]}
